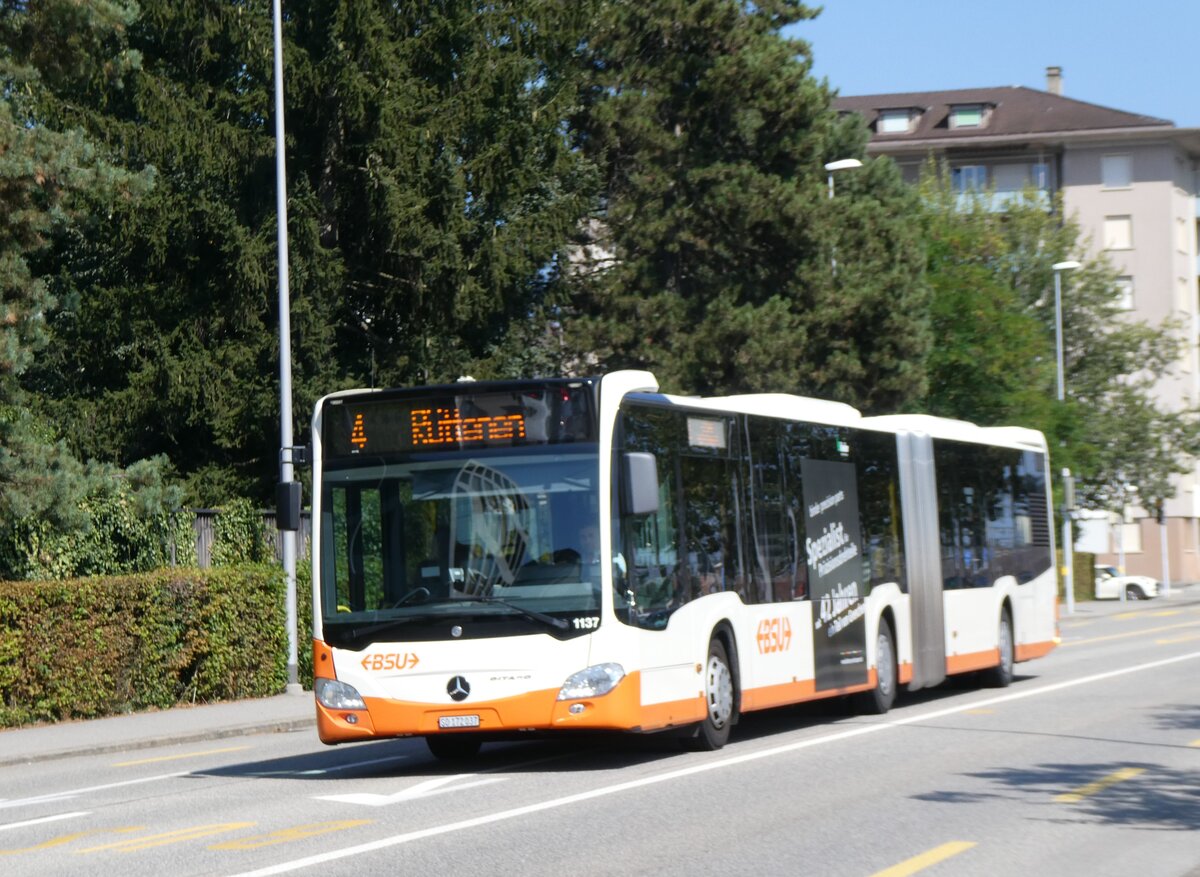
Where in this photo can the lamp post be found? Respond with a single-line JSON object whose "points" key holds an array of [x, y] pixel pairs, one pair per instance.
{"points": [[1068, 483], [832, 167], [1058, 269], [286, 473], [842, 164]]}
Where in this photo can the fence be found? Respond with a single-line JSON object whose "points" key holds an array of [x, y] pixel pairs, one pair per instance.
{"points": [[205, 526]]}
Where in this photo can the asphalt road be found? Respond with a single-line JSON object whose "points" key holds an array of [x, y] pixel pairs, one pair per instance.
{"points": [[1089, 764]]}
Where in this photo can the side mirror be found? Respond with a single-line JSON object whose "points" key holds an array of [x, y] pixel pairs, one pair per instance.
{"points": [[287, 505], [639, 483]]}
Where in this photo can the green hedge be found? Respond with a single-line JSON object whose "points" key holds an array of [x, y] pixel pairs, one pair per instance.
{"points": [[1084, 577], [92, 647]]}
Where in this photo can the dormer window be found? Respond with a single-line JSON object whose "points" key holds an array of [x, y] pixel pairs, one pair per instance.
{"points": [[968, 116], [895, 121]]}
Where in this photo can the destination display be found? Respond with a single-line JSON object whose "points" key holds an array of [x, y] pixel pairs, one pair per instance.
{"points": [[489, 419]]}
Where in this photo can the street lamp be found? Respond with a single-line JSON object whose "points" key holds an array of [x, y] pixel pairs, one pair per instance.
{"points": [[1058, 269], [842, 164], [1068, 482], [832, 167]]}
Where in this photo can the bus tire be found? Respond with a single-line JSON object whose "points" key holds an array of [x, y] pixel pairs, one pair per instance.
{"points": [[879, 699], [1002, 674], [713, 731], [453, 747]]}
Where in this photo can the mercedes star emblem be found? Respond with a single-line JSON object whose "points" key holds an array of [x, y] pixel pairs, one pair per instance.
{"points": [[458, 688]]}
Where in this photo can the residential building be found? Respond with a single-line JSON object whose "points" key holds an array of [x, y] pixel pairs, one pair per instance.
{"points": [[1130, 181]]}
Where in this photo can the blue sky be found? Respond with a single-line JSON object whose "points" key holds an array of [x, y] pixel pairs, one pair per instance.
{"points": [[1139, 56]]}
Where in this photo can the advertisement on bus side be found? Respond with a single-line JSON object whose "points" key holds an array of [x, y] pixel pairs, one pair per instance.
{"points": [[835, 573]]}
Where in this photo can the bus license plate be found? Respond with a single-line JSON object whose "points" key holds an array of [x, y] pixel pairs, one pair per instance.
{"points": [[458, 721]]}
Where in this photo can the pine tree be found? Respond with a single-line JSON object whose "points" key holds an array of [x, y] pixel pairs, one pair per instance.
{"points": [[711, 257], [168, 344], [51, 180], [430, 188], [431, 136]]}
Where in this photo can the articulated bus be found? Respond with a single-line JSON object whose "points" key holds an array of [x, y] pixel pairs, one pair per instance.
{"points": [[494, 559]]}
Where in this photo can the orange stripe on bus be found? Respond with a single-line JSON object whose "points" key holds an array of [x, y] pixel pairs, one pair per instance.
{"points": [[1029, 651], [797, 691], [972, 661]]}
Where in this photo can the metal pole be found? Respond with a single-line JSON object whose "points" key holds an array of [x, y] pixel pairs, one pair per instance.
{"points": [[1166, 557], [285, 350], [1058, 333], [1068, 541], [1121, 544]]}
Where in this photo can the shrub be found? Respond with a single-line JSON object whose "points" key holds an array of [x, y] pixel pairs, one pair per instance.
{"points": [[92, 647]]}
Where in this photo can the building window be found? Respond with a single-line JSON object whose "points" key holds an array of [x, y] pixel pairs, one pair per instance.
{"points": [[969, 178], [1016, 177], [894, 121], [1010, 177], [1116, 171], [1125, 287], [1118, 232], [967, 116]]}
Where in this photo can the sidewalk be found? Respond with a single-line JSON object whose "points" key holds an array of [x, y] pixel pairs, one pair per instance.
{"points": [[1185, 593], [284, 712]]}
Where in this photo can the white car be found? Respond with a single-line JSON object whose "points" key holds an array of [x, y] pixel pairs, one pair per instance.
{"points": [[1109, 584]]}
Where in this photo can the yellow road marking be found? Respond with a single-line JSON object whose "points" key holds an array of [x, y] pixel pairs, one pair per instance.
{"points": [[67, 838], [1161, 613], [1076, 795], [1195, 743], [289, 834], [926, 859], [170, 837], [980, 712], [1177, 639], [1129, 633], [177, 757]]}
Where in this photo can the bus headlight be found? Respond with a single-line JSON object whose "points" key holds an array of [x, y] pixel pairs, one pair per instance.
{"points": [[594, 681], [336, 695]]}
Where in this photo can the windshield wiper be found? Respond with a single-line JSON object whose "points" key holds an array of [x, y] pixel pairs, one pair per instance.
{"points": [[376, 627], [534, 615]]}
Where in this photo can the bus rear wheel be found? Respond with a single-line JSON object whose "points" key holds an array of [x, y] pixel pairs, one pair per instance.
{"points": [[713, 732], [1002, 674], [453, 747], [879, 699]]}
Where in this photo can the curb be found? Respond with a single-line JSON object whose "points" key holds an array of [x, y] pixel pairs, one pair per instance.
{"points": [[276, 727]]}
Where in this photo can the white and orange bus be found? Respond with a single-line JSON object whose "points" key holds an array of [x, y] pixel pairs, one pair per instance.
{"points": [[500, 558]]}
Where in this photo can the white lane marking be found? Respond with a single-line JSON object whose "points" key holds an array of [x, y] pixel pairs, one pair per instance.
{"points": [[74, 793], [435, 786], [324, 770], [44, 819], [554, 803]]}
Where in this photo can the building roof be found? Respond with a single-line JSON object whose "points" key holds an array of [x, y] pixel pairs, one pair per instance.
{"points": [[1013, 110]]}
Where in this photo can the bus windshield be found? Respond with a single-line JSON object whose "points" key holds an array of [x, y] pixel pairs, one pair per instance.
{"points": [[502, 535]]}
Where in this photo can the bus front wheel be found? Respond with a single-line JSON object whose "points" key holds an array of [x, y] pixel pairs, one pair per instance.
{"points": [[713, 732]]}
